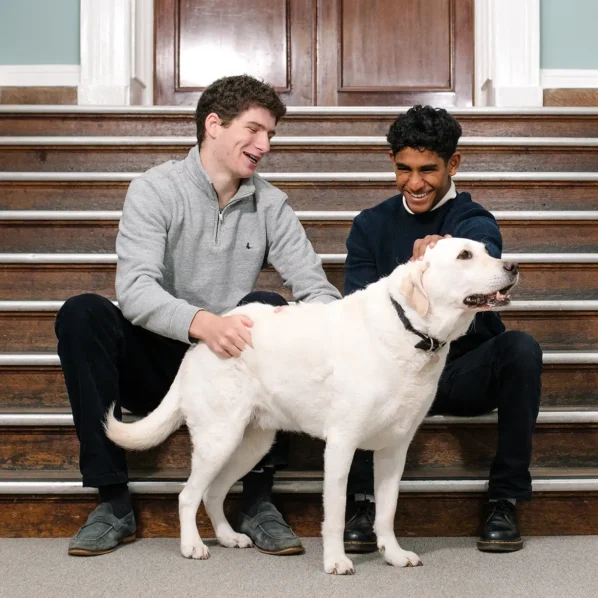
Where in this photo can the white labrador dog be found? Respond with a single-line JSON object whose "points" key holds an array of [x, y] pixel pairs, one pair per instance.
{"points": [[359, 373]]}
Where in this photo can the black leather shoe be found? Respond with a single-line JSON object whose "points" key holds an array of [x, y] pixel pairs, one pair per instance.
{"points": [[501, 532], [359, 531]]}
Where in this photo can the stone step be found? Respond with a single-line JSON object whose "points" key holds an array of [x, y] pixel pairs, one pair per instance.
{"points": [[94, 231], [48, 442], [35, 381], [293, 154], [556, 325], [309, 190], [53, 504], [549, 276], [345, 120]]}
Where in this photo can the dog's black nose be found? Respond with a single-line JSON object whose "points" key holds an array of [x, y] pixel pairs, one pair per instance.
{"points": [[512, 267]]}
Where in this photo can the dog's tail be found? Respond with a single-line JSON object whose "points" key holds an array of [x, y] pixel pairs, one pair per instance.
{"points": [[152, 429]]}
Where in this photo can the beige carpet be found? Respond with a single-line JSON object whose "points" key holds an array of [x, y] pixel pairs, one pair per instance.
{"points": [[565, 567]]}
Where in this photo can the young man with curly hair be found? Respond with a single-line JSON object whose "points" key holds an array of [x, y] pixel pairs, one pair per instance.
{"points": [[486, 369], [192, 240]]}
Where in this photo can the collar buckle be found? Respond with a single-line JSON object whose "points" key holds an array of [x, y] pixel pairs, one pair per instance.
{"points": [[428, 343]]}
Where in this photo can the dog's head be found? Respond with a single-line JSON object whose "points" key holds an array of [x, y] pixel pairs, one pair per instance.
{"points": [[458, 273]]}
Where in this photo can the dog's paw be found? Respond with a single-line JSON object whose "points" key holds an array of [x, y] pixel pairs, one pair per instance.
{"points": [[235, 540], [198, 550], [339, 566], [397, 557]]}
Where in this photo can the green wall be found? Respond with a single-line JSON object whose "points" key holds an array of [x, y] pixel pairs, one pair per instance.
{"points": [[39, 31], [569, 34]]}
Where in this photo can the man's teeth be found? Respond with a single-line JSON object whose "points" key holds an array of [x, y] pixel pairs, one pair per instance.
{"points": [[251, 157], [419, 195]]}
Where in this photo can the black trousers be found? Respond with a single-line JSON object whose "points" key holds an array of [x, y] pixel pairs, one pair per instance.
{"points": [[502, 373], [105, 359]]}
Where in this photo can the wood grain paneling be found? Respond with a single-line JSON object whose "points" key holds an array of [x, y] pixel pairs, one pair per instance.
{"points": [[329, 236], [248, 37], [54, 282], [198, 42], [325, 52], [386, 52], [417, 515], [295, 158], [24, 388], [326, 195], [169, 123], [571, 97], [27, 388], [38, 95], [21, 332], [435, 446], [384, 48]]}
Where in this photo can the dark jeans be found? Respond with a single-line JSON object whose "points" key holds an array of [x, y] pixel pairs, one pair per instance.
{"points": [[105, 359], [502, 373]]}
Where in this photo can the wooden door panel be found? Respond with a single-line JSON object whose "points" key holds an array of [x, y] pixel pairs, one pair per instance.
{"points": [[385, 52], [198, 41], [224, 37], [379, 55]]}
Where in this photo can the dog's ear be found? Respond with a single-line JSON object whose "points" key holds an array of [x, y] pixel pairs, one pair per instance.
{"points": [[413, 289]]}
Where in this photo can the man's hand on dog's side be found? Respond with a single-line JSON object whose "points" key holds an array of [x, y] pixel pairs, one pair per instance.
{"points": [[420, 246], [226, 336]]}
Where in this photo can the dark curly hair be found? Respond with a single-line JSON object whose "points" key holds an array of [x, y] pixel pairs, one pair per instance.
{"points": [[230, 96], [425, 128]]}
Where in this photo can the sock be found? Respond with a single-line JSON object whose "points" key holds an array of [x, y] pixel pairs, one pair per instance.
{"points": [[361, 496], [257, 489], [119, 497], [513, 501]]}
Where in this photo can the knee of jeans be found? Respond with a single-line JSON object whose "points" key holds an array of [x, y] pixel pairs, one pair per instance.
{"points": [[78, 313], [522, 351], [264, 297]]}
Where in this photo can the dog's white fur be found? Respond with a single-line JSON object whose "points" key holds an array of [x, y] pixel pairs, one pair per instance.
{"points": [[347, 372]]}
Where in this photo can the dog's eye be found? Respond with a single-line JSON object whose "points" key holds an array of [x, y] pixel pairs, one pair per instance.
{"points": [[465, 255]]}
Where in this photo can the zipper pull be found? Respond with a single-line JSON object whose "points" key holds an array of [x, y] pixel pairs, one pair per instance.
{"points": [[220, 216]]}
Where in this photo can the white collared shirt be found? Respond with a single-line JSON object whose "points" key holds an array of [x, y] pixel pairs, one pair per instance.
{"points": [[450, 194]]}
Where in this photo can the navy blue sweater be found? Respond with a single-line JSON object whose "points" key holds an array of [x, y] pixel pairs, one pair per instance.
{"points": [[382, 237]]}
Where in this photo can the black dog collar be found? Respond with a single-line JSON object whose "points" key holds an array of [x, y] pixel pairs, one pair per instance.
{"points": [[428, 343]]}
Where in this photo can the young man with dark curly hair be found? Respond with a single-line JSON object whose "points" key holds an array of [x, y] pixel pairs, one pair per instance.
{"points": [[192, 240], [489, 367]]}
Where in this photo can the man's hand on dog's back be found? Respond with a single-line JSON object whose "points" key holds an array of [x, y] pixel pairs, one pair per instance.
{"points": [[226, 336], [420, 246]]}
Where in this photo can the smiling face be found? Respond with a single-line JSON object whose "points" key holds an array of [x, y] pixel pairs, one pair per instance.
{"points": [[239, 146], [423, 177]]}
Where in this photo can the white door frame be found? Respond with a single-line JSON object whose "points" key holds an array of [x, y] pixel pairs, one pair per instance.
{"points": [[117, 52], [507, 53]]}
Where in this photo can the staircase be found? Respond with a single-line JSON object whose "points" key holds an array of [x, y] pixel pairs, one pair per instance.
{"points": [[64, 172]]}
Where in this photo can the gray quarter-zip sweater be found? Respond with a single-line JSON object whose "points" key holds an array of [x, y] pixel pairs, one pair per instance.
{"points": [[179, 253]]}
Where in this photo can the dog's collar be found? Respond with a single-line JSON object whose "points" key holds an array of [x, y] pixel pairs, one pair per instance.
{"points": [[428, 343]]}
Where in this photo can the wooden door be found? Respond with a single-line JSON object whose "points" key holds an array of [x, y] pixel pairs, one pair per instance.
{"points": [[395, 52], [319, 52], [198, 41]]}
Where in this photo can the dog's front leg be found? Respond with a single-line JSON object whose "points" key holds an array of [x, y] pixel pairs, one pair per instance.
{"points": [[337, 462], [389, 464]]}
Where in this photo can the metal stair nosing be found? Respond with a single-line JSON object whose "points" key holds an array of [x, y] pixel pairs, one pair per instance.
{"points": [[465, 485], [299, 177]]}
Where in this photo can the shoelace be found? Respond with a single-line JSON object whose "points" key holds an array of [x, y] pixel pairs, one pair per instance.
{"points": [[502, 507], [365, 508]]}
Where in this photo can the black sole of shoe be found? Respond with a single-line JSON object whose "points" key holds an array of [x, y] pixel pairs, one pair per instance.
{"points": [[360, 547], [499, 546], [284, 551], [81, 552]]}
